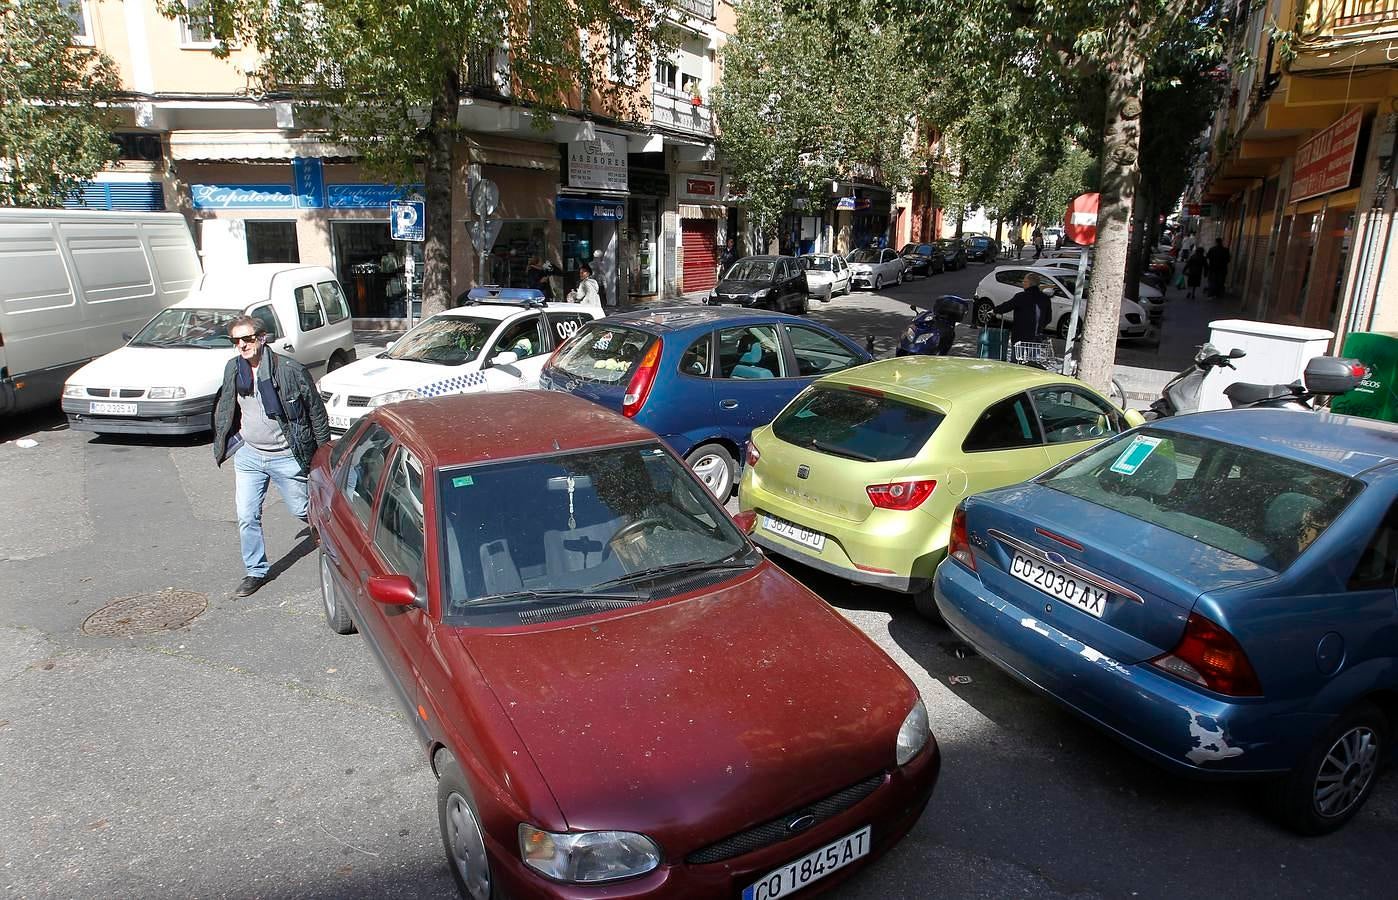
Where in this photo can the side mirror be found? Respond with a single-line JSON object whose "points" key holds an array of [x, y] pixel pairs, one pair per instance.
{"points": [[1134, 418], [508, 358], [289, 347], [127, 336], [392, 590], [1237, 353]]}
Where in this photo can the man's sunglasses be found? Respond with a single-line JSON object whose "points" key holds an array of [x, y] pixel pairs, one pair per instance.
{"points": [[236, 339]]}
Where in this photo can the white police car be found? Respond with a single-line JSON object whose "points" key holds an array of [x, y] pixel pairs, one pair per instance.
{"points": [[498, 341]]}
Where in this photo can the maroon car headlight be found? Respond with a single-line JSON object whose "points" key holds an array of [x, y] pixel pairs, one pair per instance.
{"points": [[587, 857], [912, 737]]}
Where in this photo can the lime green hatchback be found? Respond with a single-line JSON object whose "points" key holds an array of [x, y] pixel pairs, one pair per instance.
{"points": [[858, 476]]}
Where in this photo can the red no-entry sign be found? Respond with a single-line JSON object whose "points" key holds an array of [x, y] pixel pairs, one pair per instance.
{"points": [[1080, 222]]}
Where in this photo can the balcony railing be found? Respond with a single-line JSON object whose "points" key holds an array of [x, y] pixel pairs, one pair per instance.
{"points": [[702, 9], [488, 69], [1347, 13], [677, 110]]}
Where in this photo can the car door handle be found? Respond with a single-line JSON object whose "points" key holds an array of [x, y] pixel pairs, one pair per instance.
{"points": [[728, 404]]}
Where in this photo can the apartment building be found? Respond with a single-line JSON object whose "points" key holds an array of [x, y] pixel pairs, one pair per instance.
{"points": [[1299, 175], [641, 198]]}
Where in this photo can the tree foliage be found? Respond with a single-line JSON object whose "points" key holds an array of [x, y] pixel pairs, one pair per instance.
{"points": [[812, 93], [389, 80], [55, 119]]}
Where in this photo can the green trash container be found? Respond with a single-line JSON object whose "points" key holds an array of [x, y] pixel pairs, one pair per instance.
{"points": [[994, 343], [1374, 397]]}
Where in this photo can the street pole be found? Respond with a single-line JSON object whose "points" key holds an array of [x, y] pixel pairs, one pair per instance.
{"points": [[1078, 287]]}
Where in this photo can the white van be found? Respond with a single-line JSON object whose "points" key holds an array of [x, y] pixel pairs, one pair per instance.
{"points": [[72, 281], [165, 380]]}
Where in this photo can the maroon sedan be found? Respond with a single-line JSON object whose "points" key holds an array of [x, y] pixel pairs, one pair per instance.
{"points": [[620, 696]]}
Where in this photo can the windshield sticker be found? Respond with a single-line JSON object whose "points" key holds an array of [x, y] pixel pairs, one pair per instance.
{"points": [[462, 481], [1136, 453]]}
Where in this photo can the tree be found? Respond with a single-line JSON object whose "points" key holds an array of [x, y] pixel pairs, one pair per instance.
{"points": [[389, 80], [55, 116], [1068, 57], [808, 97]]}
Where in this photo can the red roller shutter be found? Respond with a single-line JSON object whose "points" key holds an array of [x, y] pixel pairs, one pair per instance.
{"points": [[700, 254]]}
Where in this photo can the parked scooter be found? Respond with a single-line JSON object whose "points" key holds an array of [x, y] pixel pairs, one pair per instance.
{"points": [[1324, 377], [933, 331]]}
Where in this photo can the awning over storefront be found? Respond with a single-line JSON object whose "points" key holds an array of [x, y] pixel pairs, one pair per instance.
{"points": [[693, 211], [490, 150], [218, 145]]}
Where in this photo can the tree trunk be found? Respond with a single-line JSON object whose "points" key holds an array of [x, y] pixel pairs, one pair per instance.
{"points": [[439, 137], [1120, 176], [1131, 289]]}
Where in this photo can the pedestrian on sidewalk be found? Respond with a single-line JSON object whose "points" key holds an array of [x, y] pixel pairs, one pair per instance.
{"points": [[587, 290], [1031, 309], [1217, 259], [728, 258], [1038, 239], [1018, 241], [1194, 271], [270, 420]]}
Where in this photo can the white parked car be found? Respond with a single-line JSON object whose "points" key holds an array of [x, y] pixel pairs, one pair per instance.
{"points": [[875, 268], [1006, 281], [498, 344], [1152, 299], [827, 275], [166, 377]]}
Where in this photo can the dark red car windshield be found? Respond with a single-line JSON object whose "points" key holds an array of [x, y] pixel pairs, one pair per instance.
{"points": [[574, 522]]}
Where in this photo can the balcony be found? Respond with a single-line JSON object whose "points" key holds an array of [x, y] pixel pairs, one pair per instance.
{"points": [[676, 110], [1352, 13], [700, 9], [488, 70]]}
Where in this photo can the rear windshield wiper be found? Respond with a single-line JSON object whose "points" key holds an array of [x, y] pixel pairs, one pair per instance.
{"points": [[820, 445], [555, 594]]}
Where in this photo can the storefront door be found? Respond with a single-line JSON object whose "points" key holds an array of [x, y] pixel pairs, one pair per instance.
{"points": [[700, 254]]}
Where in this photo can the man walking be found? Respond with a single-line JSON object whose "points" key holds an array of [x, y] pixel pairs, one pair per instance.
{"points": [[270, 419], [1038, 242], [1218, 267], [728, 258], [1031, 310]]}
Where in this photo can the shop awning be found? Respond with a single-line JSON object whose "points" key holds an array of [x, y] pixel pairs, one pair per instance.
{"points": [[519, 154], [694, 211], [218, 145]]}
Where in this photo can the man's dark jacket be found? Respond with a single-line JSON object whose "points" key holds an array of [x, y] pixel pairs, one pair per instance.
{"points": [[1032, 313], [305, 427]]}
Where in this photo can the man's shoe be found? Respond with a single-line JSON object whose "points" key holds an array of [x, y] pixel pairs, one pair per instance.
{"points": [[248, 586]]}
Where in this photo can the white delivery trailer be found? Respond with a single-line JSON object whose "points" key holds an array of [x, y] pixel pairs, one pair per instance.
{"points": [[72, 282]]}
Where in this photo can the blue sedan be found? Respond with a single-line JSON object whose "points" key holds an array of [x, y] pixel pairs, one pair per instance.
{"points": [[1217, 591], [701, 377]]}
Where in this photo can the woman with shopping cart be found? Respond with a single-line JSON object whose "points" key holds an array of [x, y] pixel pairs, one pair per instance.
{"points": [[1032, 314]]}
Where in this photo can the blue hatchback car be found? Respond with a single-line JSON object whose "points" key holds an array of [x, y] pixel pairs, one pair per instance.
{"points": [[1215, 590], [701, 377]]}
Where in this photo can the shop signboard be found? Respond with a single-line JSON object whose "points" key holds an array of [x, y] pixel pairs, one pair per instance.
{"points": [[242, 196], [1325, 163], [584, 209], [599, 164], [703, 188], [308, 174], [366, 196], [850, 204]]}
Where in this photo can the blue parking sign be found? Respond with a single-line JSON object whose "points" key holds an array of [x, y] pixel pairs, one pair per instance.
{"points": [[406, 220]]}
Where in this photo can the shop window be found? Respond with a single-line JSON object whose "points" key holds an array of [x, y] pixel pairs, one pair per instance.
{"points": [[370, 266], [334, 302], [308, 308], [272, 242], [519, 241]]}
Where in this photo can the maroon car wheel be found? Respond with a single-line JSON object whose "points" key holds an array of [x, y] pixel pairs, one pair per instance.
{"points": [[462, 837]]}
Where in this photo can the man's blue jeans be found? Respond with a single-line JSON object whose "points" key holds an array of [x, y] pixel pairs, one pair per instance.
{"points": [[253, 469]]}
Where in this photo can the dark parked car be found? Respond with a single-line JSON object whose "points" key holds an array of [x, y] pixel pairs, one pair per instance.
{"points": [[701, 378], [1215, 591], [953, 253], [923, 259], [981, 248], [620, 696], [768, 282]]}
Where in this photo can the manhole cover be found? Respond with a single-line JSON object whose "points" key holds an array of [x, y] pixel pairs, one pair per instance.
{"points": [[146, 613]]}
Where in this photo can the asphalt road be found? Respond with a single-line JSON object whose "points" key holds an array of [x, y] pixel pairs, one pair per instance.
{"points": [[252, 753]]}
